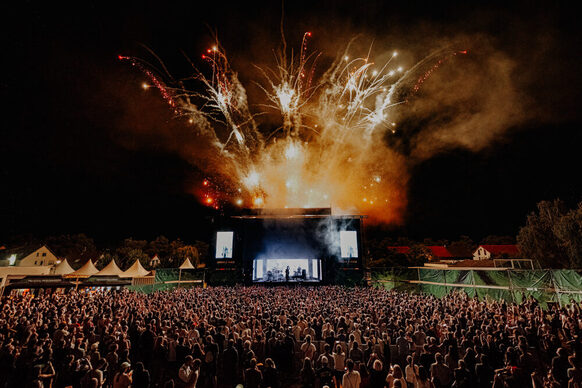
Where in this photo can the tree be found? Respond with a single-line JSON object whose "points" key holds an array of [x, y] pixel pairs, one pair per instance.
{"points": [[538, 240], [430, 241], [419, 254], [498, 240], [203, 250], [130, 250], [105, 259], [463, 247], [568, 230], [159, 246], [77, 248], [188, 252], [380, 254]]}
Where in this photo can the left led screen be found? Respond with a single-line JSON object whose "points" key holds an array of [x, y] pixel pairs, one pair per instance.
{"points": [[224, 245]]}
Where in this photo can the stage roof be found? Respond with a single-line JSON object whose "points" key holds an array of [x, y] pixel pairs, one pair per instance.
{"points": [[292, 213]]}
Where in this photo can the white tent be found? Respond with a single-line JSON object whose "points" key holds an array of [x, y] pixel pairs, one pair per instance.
{"points": [[187, 264], [88, 269], [110, 270], [135, 271], [63, 268]]}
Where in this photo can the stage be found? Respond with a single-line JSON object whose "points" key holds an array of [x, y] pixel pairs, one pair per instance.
{"points": [[289, 246]]}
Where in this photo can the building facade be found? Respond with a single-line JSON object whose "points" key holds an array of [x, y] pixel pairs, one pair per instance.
{"points": [[40, 257]]}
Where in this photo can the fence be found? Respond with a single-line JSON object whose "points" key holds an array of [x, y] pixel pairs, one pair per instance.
{"points": [[511, 285]]}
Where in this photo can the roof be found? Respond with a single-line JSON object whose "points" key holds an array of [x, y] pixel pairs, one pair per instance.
{"points": [[25, 250], [110, 269], [435, 250], [508, 249], [326, 211], [400, 249], [187, 264], [460, 252], [88, 269], [63, 268], [39, 282], [439, 251], [135, 271], [24, 271]]}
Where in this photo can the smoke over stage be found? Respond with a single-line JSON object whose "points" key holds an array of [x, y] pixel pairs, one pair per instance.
{"points": [[281, 246]]}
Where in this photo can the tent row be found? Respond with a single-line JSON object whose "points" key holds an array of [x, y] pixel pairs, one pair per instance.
{"points": [[112, 269], [136, 270]]}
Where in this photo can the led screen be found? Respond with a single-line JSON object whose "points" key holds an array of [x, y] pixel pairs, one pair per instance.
{"points": [[224, 245], [348, 244], [286, 270]]}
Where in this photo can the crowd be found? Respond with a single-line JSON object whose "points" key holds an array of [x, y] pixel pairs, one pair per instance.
{"points": [[286, 336]]}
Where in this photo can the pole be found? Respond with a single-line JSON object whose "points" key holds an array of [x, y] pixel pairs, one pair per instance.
{"points": [[511, 292], [555, 288]]}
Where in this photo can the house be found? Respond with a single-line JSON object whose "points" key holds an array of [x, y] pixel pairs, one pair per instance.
{"points": [[438, 253], [486, 252], [155, 262], [41, 256], [433, 252], [30, 256]]}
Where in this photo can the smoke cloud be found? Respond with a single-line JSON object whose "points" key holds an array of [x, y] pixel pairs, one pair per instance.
{"points": [[461, 93]]}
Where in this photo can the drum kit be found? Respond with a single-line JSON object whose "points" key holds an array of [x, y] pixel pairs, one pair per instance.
{"points": [[275, 275]]}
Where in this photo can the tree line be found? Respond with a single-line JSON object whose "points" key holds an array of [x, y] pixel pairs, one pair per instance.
{"points": [[552, 235]]}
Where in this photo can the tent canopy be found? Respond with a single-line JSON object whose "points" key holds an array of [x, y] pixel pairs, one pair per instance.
{"points": [[187, 264], [88, 269], [63, 268], [135, 271], [110, 269]]}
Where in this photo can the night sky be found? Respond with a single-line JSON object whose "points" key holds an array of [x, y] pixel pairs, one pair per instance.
{"points": [[77, 152]]}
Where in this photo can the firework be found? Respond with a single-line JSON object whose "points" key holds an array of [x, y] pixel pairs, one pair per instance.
{"points": [[329, 148]]}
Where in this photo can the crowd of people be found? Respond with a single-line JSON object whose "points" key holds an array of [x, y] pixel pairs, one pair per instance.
{"points": [[327, 336]]}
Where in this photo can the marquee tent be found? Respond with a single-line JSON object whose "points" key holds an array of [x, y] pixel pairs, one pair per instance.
{"points": [[135, 271], [110, 269], [63, 268], [88, 269]]}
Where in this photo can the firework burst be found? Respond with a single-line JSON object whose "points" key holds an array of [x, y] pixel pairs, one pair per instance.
{"points": [[329, 148]]}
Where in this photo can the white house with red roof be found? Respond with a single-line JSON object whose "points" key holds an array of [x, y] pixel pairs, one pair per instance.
{"points": [[487, 252]]}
